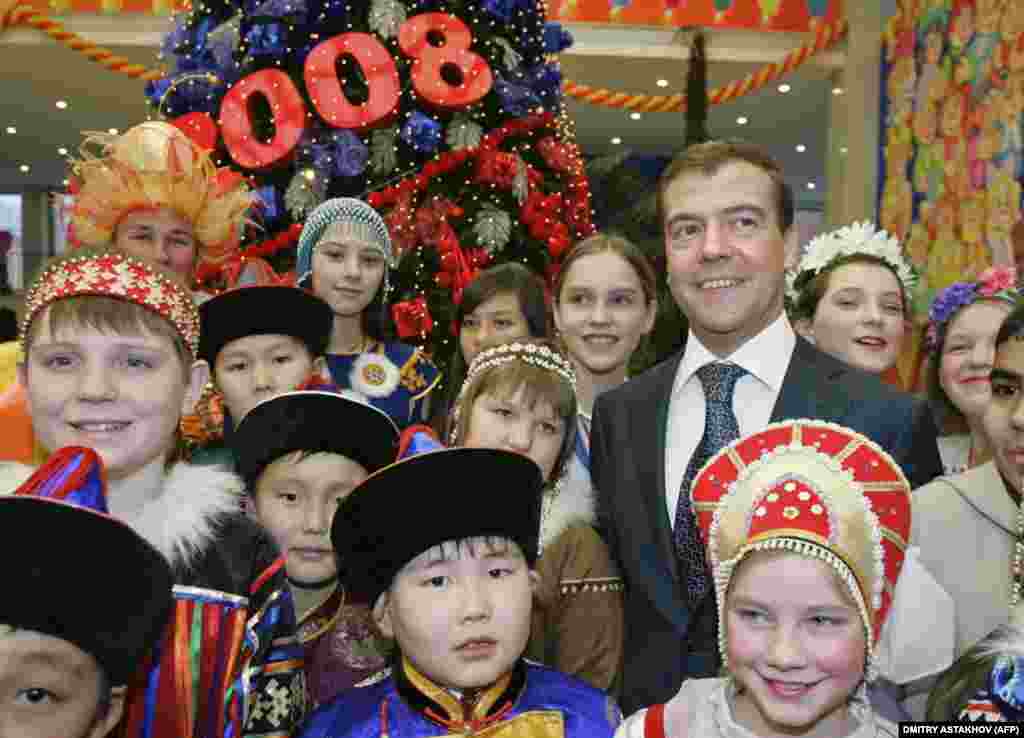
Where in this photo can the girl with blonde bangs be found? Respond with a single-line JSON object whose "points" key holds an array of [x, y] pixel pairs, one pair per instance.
{"points": [[521, 397]]}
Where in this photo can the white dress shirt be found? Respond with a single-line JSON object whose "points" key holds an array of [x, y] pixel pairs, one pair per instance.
{"points": [[765, 357]]}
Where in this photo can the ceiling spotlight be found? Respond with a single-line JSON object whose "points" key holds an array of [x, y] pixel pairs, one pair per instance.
{"points": [[112, 131], [635, 116], [616, 140], [62, 151], [784, 88], [801, 148], [62, 104], [837, 90], [742, 120], [662, 83], [12, 130], [24, 168], [811, 185]]}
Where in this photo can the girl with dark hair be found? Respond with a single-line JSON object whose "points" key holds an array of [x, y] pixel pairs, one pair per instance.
{"points": [[849, 296], [503, 303], [344, 256], [962, 324]]}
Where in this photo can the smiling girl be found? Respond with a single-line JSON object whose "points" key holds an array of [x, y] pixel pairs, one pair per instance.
{"points": [[962, 325], [803, 571], [520, 397], [849, 296], [605, 303], [344, 256]]}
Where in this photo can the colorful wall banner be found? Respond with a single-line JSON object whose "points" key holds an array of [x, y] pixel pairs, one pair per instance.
{"points": [[770, 15], [952, 132], [763, 15]]}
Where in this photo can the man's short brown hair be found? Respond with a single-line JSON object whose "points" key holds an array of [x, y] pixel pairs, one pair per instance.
{"points": [[707, 158]]}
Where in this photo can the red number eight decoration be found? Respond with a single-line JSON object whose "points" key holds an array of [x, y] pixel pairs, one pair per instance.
{"points": [[325, 90], [415, 36], [289, 119]]}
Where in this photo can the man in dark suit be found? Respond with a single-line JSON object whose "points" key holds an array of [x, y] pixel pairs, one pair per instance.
{"points": [[729, 234]]}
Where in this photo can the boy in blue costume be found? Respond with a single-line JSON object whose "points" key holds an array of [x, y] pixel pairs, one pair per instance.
{"points": [[452, 579]]}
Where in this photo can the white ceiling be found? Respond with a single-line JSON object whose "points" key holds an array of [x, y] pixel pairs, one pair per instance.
{"points": [[35, 72]]}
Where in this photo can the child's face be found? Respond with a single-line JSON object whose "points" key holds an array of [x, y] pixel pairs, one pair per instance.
{"points": [[295, 500], [1004, 418], [159, 235], [461, 612], [499, 318], [120, 394], [255, 368], [50, 687], [967, 355], [507, 421], [347, 274], [603, 312], [795, 644], [860, 317]]}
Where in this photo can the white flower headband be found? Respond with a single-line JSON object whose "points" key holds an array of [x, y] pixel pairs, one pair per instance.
{"points": [[529, 353], [858, 238]]}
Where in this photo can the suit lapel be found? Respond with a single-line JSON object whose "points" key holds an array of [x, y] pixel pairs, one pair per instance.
{"points": [[657, 511], [806, 389]]}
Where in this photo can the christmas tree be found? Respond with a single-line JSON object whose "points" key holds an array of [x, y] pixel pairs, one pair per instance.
{"points": [[445, 115]]}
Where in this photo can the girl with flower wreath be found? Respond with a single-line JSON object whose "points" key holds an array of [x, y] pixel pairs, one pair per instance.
{"points": [[805, 524], [344, 257], [849, 295], [153, 194], [962, 324], [521, 396]]}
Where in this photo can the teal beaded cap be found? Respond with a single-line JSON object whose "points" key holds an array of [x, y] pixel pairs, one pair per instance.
{"points": [[361, 221]]}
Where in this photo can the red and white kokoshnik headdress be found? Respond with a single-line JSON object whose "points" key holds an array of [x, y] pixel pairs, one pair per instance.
{"points": [[815, 489]]}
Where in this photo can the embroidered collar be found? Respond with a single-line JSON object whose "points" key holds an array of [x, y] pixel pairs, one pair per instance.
{"points": [[468, 715]]}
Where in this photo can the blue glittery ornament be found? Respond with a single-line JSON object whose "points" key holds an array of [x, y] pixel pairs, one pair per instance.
{"points": [[500, 9], [350, 154], [546, 82], [516, 100], [266, 39], [556, 38], [422, 133], [270, 202]]}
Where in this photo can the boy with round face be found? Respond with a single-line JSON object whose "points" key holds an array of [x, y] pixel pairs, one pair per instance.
{"points": [[301, 454], [110, 347], [452, 581], [259, 342], [71, 635]]}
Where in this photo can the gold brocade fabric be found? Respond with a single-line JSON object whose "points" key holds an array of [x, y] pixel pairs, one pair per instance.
{"points": [[538, 724]]}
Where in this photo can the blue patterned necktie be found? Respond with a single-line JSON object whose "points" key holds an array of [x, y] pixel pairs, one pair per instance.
{"points": [[720, 429]]}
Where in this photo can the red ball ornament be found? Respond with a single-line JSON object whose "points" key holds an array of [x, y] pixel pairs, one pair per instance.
{"points": [[443, 279], [289, 119], [325, 89], [200, 127]]}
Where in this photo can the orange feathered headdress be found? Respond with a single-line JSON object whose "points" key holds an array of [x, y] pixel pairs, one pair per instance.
{"points": [[156, 165]]}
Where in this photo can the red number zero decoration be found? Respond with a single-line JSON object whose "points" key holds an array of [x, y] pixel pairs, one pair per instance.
{"points": [[325, 90], [289, 119], [414, 38]]}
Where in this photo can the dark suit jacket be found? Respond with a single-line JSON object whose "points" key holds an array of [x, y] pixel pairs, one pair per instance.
{"points": [[665, 641]]}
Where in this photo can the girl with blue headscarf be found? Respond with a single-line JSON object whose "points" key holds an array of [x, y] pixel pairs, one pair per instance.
{"points": [[344, 256]]}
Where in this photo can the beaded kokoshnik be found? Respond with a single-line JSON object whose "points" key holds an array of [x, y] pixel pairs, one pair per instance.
{"points": [[815, 489], [116, 275], [528, 353]]}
